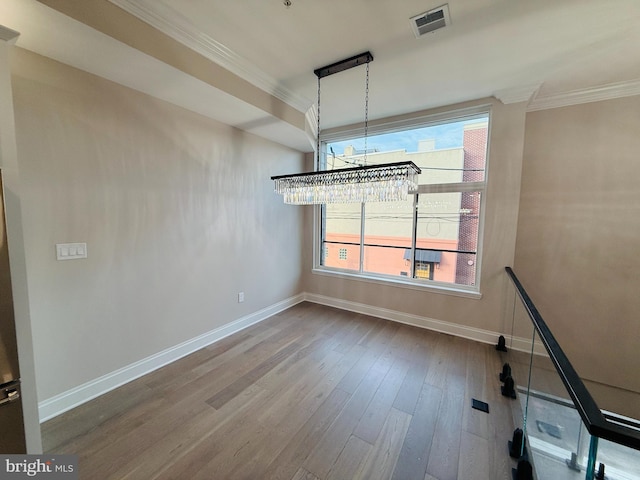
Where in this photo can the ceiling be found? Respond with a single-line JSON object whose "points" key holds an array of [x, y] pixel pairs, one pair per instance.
{"points": [[548, 52]]}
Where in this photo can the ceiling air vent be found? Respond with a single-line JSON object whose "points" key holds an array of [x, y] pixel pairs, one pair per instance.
{"points": [[430, 21]]}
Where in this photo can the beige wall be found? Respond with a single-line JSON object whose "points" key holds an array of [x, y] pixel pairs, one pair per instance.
{"points": [[579, 231], [487, 313], [178, 213]]}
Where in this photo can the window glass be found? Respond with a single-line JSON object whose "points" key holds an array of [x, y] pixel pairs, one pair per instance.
{"points": [[447, 153], [448, 224], [432, 236], [388, 231], [342, 235]]}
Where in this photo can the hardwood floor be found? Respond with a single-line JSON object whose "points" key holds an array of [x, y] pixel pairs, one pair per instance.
{"points": [[311, 393]]}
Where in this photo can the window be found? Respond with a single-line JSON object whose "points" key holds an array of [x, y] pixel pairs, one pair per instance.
{"points": [[432, 237], [424, 269]]}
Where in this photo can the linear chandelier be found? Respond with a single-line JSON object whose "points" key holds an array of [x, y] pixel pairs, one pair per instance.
{"points": [[367, 183]]}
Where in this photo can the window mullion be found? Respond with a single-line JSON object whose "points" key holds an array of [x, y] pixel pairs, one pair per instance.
{"points": [[452, 187], [362, 212], [323, 233], [414, 236]]}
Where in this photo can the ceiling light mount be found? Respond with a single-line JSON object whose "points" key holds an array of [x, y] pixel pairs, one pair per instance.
{"points": [[343, 65]]}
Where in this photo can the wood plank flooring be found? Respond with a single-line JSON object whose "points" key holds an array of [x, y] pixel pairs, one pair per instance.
{"points": [[313, 393]]}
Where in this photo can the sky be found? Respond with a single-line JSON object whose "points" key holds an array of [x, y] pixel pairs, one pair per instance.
{"points": [[447, 135]]}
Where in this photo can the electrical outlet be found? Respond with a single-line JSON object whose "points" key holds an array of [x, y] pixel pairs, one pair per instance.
{"points": [[240, 297]]}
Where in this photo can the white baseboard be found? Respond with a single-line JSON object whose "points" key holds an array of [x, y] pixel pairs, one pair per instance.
{"points": [[65, 401], [521, 344], [471, 333], [76, 396]]}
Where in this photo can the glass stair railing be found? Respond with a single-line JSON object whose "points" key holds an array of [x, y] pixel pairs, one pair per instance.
{"points": [[564, 433]]}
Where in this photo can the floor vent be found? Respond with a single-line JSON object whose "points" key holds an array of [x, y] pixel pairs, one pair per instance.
{"points": [[430, 21]]}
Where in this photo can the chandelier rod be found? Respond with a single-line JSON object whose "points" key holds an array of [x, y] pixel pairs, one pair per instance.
{"points": [[409, 164], [337, 67], [366, 116], [318, 130]]}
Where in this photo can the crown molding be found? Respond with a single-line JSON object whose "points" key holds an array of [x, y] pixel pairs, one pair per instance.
{"points": [[586, 95], [8, 35], [518, 94], [311, 117], [176, 26]]}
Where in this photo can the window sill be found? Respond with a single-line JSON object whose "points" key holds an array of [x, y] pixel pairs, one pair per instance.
{"points": [[437, 288]]}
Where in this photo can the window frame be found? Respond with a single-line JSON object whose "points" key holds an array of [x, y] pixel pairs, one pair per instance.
{"points": [[395, 125]]}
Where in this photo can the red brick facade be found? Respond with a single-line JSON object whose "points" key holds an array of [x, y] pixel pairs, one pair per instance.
{"points": [[475, 150]]}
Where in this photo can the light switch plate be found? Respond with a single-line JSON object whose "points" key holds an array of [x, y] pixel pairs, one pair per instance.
{"points": [[71, 251]]}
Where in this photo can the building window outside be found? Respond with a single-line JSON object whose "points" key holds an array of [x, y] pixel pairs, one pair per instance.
{"points": [[424, 270], [432, 237]]}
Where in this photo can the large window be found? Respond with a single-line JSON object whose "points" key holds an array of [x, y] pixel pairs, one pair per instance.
{"points": [[432, 237]]}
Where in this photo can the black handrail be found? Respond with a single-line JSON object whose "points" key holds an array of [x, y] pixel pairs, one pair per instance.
{"points": [[595, 422]]}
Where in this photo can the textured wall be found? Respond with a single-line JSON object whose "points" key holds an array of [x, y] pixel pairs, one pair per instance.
{"points": [[579, 231], [177, 210]]}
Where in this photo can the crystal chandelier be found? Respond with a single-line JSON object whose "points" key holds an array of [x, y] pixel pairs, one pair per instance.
{"points": [[368, 183]]}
